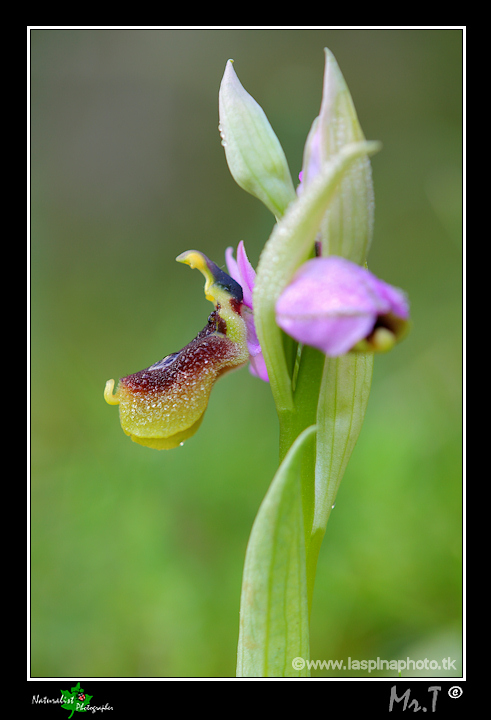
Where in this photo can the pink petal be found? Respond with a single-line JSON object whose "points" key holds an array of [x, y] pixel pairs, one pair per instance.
{"points": [[333, 303], [247, 273], [232, 266], [242, 272], [332, 336], [257, 367]]}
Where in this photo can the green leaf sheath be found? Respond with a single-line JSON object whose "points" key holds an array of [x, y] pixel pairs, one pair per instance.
{"points": [[343, 399]]}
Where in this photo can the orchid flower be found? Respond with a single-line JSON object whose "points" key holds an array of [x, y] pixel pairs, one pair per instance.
{"points": [[163, 405], [336, 314], [336, 306], [331, 304]]}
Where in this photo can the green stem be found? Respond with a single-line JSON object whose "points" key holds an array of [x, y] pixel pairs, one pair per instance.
{"points": [[292, 424]]}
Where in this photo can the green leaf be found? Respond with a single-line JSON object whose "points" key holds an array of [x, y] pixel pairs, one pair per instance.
{"points": [[274, 616]]}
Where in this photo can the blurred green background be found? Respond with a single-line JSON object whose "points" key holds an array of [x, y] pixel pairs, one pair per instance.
{"points": [[136, 554]]}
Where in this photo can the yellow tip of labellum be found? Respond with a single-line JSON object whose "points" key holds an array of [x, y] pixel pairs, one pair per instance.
{"points": [[108, 394]]}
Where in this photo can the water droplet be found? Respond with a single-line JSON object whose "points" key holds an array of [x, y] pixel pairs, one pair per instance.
{"points": [[333, 506], [181, 443]]}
